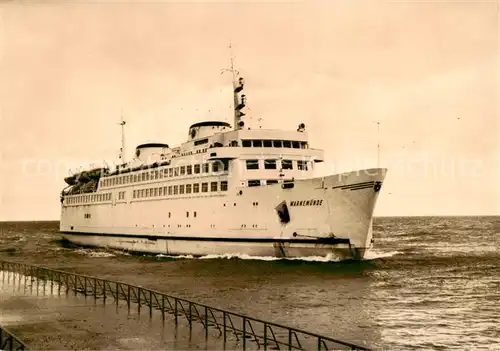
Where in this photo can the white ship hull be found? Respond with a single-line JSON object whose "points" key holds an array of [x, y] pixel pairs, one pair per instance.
{"points": [[327, 216]]}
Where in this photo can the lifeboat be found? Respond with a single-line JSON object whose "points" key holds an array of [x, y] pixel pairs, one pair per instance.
{"points": [[70, 180], [96, 173]]}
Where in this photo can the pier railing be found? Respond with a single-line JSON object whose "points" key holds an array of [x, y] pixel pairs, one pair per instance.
{"points": [[248, 332], [9, 342]]}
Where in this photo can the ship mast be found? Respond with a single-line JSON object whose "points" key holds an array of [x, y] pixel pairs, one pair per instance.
{"points": [[239, 99], [122, 149], [378, 143]]}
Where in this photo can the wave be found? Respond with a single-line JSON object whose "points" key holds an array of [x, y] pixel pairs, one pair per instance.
{"points": [[328, 258], [374, 254], [94, 253]]}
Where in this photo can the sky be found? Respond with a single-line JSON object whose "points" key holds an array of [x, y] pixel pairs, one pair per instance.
{"points": [[426, 71]]}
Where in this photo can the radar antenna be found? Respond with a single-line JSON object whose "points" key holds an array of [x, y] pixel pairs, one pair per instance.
{"points": [[239, 98]]}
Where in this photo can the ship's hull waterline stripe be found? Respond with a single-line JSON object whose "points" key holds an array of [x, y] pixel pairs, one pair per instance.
{"points": [[324, 241]]}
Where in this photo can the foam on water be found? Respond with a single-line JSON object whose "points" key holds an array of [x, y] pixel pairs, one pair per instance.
{"points": [[93, 253], [328, 258], [376, 254]]}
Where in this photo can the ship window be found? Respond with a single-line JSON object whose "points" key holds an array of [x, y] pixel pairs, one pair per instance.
{"points": [[204, 187], [286, 164], [170, 190], [170, 172], [268, 143], [147, 175], [160, 191], [165, 172], [296, 144], [303, 145], [205, 168], [213, 186], [176, 171], [272, 181], [169, 215], [143, 192], [160, 173], [181, 189], [155, 192], [247, 143], [183, 170], [196, 169], [147, 192], [196, 188], [187, 214], [156, 175], [252, 164], [254, 183], [277, 143], [223, 185], [188, 188], [215, 167], [225, 165], [143, 177], [165, 190], [257, 143], [287, 143], [176, 189], [302, 165], [189, 169], [270, 164], [200, 142], [194, 214]]}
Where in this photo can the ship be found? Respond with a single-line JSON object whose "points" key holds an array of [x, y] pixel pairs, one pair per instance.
{"points": [[226, 190]]}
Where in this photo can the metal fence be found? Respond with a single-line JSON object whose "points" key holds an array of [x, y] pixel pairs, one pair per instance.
{"points": [[246, 331], [9, 342]]}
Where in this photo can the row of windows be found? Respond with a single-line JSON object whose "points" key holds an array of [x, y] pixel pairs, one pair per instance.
{"points": [[88, 198], [258, 182], [275, 143], [273, 164], [180, 189], [166, 173]]}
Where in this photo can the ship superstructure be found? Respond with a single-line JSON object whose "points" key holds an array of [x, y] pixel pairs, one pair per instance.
{"points": [[225, 190]]}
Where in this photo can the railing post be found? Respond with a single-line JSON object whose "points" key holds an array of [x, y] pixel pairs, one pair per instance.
{"points": [[128, 298], [224, 316], [95, 288], [139, 299], [244, 333], [265, 336], [175, 311], [150, 303], [163, 307], [190, 316], [206, 322]]}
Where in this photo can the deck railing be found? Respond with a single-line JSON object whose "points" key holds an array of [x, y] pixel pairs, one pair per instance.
{"points": [[9, 342], [244, 330]]}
